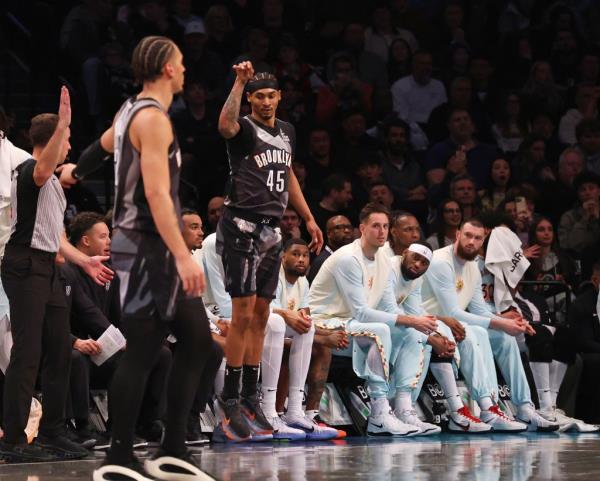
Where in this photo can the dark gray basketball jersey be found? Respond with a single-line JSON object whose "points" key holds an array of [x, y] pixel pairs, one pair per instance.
{"points": [[131, 209], [260, 158]]}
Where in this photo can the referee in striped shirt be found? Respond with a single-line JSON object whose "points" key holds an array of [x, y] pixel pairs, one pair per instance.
{"points": [[38, 310]]}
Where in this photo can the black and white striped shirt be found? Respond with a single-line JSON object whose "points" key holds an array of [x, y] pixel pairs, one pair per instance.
{"points": [[38, 212]]}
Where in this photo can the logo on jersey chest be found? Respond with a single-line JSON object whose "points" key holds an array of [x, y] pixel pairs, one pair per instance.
{"points": [[273, 156]]}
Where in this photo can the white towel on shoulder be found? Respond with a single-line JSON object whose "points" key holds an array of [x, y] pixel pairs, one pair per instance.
{"points": [[505, 260]]}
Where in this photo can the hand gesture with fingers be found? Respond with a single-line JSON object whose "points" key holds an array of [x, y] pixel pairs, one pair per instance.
{"points": [[64, 108], [244, 71]]}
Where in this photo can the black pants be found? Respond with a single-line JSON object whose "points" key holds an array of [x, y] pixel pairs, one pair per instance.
{"points": [[207, 380], [144, 340], [84, 372], [40, 329], [546, 347]]}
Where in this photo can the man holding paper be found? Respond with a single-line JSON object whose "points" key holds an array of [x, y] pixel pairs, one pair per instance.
{"points": [[96, 337]]}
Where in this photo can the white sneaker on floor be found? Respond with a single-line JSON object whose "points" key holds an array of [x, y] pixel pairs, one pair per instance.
{"points": [[410, 417], [500, 422], [313, 431], [387, 424], [573, 424], [282, 431], [536, 422], [463, 421]]}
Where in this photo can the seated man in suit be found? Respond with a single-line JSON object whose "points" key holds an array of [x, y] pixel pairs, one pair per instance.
{"points": [[583, 318]]}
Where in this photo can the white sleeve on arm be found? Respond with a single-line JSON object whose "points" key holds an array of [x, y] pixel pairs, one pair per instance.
{"points": [[349, 276], [17, 156], [213, 268], [442, 281], [412, 304]]}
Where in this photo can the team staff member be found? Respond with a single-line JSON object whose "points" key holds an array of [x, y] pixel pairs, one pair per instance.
{"points": [[38, 309]]}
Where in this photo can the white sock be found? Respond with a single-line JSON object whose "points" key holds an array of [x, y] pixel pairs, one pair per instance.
{"points": [[403, 401], [379, 406], [270, 365], [485, 403], [444, 374], [525, 411], [541, 376], [311, 413], [557, 375], [300, 353]]}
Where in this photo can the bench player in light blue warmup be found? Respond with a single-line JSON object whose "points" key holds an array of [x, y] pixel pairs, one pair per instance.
{"points": [[452, 287], [352, 291]]}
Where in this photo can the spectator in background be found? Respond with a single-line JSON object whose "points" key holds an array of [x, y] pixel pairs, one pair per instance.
{"points": [[399, 60], [319, 161], [344, 92], [182, 13], [116, 81], [460, 153], [222, 38], [481, 72], [201, 63], [540, 92], [150, 17], [337, 195], [589, 68], [564, 57], [255, 48], [290, 65], [381, 193], [462, 190], [339, 232], [290, 225], [510, 127], [401, 169], [369, 67], [214, 211], [588, 140], [382, 32], [531, 164], [416, 95], [369, 171], [544, 126], [558, 195], [586, 107], [580, 227], [447, 220], [461, 97], [499, 185], [353, 143], [404, 231]]}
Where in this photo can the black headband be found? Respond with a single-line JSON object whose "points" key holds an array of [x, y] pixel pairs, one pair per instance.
{"points": [[260, 84]]}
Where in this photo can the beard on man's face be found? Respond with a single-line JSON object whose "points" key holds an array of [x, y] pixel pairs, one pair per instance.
{"points": [[466, 255]]}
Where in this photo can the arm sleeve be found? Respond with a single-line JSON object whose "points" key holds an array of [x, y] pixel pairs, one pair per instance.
{"points": [[349, 278], [442, 282], [213, 268], [17, 156], [91, 159], [412, 304]]}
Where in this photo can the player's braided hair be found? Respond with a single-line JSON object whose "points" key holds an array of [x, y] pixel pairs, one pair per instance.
{"points": [[150, 56]]}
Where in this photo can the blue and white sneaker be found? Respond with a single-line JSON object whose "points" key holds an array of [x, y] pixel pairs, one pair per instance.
{"points": [[282, 431], [313, 431]]}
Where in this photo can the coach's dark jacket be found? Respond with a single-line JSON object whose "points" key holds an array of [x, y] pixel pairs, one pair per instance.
{"points": [[585, 323], [90, 310]]}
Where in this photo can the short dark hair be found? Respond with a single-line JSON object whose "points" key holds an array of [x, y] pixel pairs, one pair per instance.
{"points": [[378, 183], [460, 177], [150, 56], [189, 211], [396, 215], [372, 208], [292, 242], [82, 223], [42, 128], [334, 182], [394, 121], [453, 110], [474, 221], [587, 126], [586, 177]]}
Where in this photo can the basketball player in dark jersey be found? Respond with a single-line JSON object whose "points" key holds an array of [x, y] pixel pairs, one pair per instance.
{"points": [[260, 149], [160, 281]]}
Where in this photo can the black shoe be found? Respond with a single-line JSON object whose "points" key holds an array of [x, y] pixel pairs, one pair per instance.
{"points": [[168, 467], [232, 422], [82, 436], [152, 432], [130, 471], [24, 453], [254, 415], [61, 446], [194, 434]]}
